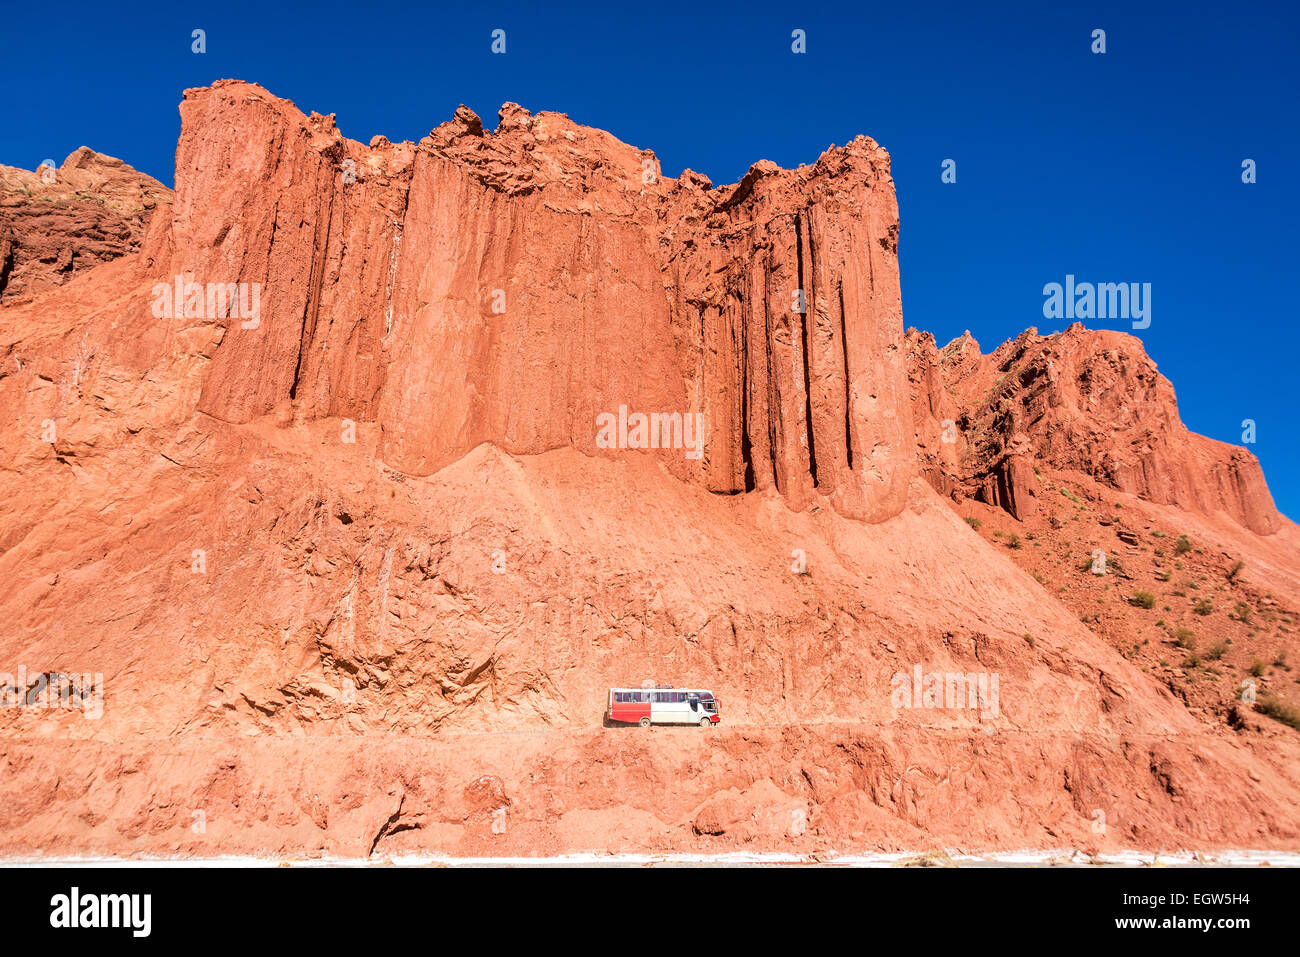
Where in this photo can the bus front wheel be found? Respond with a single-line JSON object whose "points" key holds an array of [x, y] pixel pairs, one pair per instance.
{"points": [[645, 722], [705, 723]]}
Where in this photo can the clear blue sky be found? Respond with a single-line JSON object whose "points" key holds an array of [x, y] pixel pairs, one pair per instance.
{"points": [[1119, 167]]}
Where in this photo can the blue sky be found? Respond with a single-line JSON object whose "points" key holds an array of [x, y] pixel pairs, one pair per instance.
{"points": [[1117, 167]]}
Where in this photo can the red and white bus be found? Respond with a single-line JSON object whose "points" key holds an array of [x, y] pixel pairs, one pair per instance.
{"points": [[647, 706]]}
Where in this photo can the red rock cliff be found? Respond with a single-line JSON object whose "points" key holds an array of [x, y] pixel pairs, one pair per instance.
{"points": [[334, 657], [1087, 400], [510, 287]]}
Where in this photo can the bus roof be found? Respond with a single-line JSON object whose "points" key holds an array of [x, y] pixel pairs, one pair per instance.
{"points": [[700, 691]]}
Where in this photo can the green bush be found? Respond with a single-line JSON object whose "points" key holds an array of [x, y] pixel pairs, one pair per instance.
{"points": [[1184, 545], [1143, 599], [1279, 711], [1204, 607]]}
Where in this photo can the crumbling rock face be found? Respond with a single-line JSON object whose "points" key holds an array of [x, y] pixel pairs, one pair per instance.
{"points": [[1084, 400], [55, 223], [511, 287]]}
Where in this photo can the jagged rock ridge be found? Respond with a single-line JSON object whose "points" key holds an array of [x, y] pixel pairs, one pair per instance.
{"points": [[57, 222], [1086, 400]]}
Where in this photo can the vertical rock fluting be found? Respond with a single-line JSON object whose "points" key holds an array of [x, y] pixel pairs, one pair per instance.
{"points": [[267, 196], [800, 338], [511, 287]]}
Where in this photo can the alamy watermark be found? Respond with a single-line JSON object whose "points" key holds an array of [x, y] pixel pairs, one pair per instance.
{"points": [[1103, 300], [975, 691], [656, 430], [185, 298], [54, 691], [75, 909]]}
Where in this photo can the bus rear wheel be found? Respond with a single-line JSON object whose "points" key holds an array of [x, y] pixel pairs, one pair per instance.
{"points": [[705, 723], [645, 722]]}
